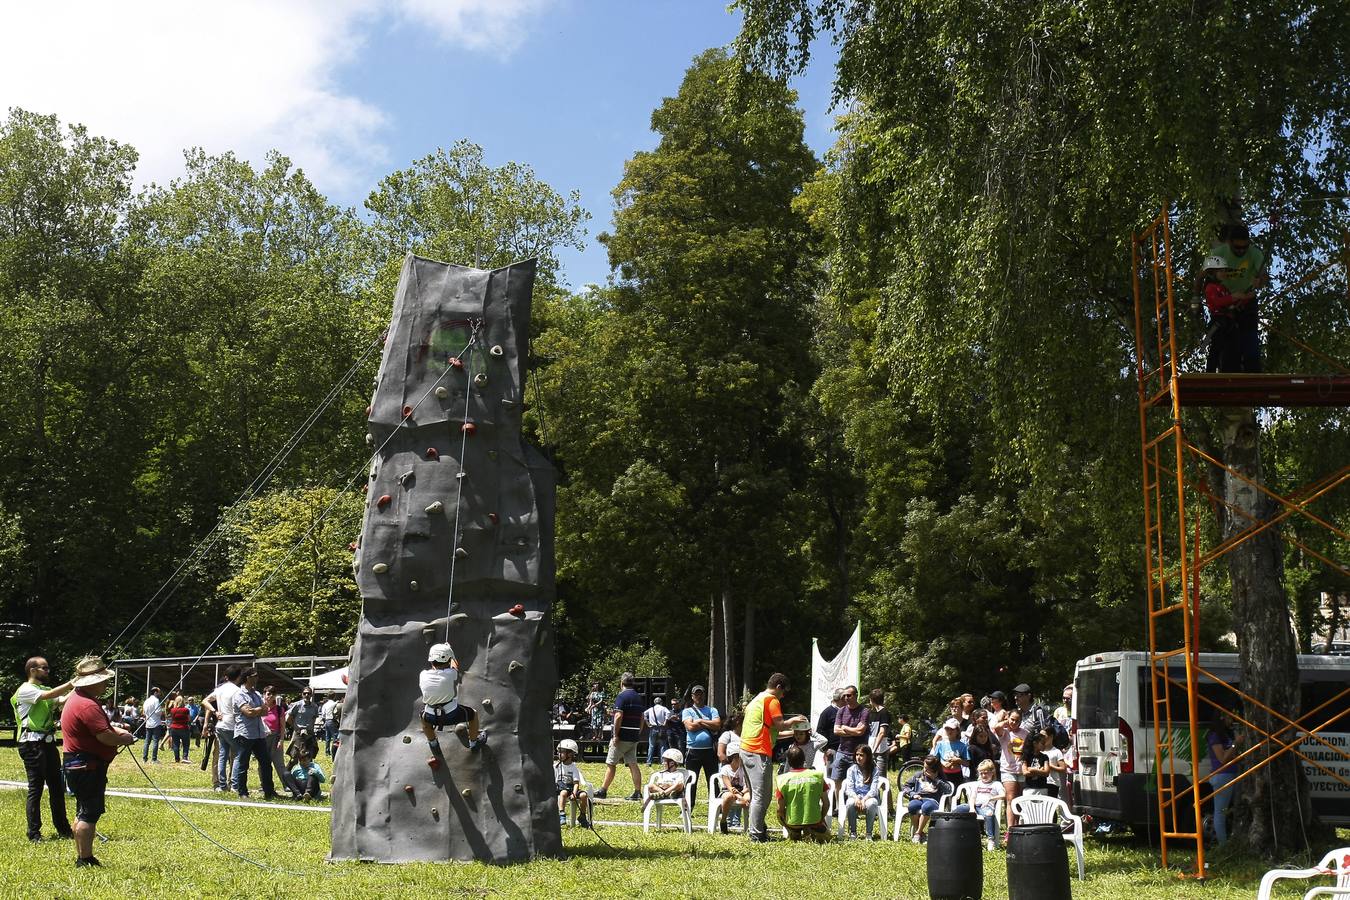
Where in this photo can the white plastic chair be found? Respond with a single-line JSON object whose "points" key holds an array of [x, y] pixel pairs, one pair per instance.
{"points": [[1336, 863], [715, 791], [963, 795], [1040, 809], [655, 805], [902, 810], [883, 798]]}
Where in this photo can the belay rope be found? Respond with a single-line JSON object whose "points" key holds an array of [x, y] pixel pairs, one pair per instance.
{"points": [[247, 602], [464, 429]]}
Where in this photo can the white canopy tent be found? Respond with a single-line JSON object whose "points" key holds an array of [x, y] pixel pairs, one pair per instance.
{"points": [[334, 682]]}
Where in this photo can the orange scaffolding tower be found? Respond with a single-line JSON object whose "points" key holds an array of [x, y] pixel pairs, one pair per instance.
{"points": [[1174, 540]]}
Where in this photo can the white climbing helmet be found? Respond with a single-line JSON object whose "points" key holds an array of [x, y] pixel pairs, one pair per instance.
{"points": [[568, 744], [441, 653], [1214, 261], [674, 756]]}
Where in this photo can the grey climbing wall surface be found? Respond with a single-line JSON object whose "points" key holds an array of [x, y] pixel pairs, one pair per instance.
{"points": [[445, 428]]}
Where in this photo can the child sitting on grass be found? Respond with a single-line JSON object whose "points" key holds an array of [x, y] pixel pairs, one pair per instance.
{"points": [[668, 783], [441, 707], [571, 784], [308, 776]]}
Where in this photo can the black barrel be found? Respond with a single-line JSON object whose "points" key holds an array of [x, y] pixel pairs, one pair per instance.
{"points": [[955, 863], [1038, 863]]}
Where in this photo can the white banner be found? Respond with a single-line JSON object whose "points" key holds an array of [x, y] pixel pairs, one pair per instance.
{"points": [[827, 676]]}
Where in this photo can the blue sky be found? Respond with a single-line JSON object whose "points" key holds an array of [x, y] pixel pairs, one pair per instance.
{"points": [[353, 89]]}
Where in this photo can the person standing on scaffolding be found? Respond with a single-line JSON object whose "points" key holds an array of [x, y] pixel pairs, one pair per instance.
{"points": [[1235, 338]]}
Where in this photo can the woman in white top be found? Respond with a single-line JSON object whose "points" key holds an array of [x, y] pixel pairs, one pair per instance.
{"points": [[1012, 736]]}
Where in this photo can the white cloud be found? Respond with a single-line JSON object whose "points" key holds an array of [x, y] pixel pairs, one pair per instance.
{"points": [[242, 75]]}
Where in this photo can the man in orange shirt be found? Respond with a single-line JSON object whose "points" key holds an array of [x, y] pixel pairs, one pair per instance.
{"points": [[763, 720]]}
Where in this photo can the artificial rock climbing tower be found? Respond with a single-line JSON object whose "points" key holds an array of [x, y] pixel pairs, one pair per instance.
{"points": [[455, 496]]}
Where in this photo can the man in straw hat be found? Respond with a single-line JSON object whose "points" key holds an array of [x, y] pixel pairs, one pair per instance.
{"points": [[91, 742]]}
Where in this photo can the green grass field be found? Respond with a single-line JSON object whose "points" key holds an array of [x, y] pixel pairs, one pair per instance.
{"points": [[152, 853]]}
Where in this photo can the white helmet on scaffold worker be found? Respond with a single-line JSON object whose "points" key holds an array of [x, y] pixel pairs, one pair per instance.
{"points": [[441, 653], [568, 744], [1214, 261], [674, 756]]}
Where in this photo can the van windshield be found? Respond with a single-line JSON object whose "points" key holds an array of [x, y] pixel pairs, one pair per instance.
{"points": [[1098, 698]]}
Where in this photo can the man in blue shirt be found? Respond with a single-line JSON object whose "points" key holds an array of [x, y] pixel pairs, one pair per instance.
{"points": [[701, 724], [628, 709], [248, 737]]}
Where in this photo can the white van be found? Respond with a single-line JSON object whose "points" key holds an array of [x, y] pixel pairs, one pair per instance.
{"points": [[1113, 732]]}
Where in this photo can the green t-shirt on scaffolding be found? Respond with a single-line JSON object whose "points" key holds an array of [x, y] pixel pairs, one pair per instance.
{"points": [[1240, 271]]}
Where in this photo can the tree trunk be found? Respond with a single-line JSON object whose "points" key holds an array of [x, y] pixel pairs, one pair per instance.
{"points": [[1275, 815], [728, 649], [748, 681], [717, 691]]}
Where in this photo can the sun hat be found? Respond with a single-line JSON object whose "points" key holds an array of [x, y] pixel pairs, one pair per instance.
{"points": [[90, 671], [951, 723]]}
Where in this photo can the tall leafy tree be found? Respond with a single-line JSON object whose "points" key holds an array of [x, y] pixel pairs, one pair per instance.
{"points": [[677, 435], [1017, 147]]}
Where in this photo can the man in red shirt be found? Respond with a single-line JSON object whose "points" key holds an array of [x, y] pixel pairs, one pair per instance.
{"points": [[90, 742]]}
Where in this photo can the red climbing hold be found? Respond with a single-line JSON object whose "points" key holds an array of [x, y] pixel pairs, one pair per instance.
{"points": [[365, 489], [492, 517], [383, 501], [407, 412], [456, 362], [468, 428], [433, 453], [352, 546], [518, 610], [434, 763]]}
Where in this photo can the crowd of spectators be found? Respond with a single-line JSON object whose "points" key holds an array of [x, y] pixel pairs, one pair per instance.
{"points": [[1000, 748]]}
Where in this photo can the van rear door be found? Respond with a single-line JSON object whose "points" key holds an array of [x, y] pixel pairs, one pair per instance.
{"points": [[1096, 692]]}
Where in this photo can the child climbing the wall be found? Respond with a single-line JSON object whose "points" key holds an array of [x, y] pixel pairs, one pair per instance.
{"points": [[669, 782], [441, 706]]}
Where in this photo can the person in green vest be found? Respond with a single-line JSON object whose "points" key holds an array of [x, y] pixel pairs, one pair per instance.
{"points": [[801, 799], [35, 713], [1244, 273]]}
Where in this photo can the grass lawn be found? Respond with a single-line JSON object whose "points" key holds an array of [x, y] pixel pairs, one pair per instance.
{"points": [[152, 853]]}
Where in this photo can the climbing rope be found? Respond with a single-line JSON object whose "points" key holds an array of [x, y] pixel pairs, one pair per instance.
{"points": [[234, 617], [207, 543], [476, 325], [314, 525]]}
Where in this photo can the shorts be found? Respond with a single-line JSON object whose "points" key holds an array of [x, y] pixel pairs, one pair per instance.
{"points": [[839, 765], [437, 717], [1009, 777], [814, 832], [622, 752], [88, 781], [565, 787]]}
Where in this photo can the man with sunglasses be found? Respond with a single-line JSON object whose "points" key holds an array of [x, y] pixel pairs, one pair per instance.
{"points": [[35, 713]]}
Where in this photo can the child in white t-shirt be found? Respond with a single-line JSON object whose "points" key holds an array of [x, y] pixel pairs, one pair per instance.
{"points": [[668, 783], [735, 797], [571, 784], [985, 797], [440, 702]]}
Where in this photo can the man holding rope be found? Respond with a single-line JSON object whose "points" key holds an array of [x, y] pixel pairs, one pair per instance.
{"points": [[35, 713], [90, 743]]}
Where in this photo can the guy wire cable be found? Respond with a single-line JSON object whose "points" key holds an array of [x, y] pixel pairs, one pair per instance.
{"points": [[233, 618], [205, 545]]}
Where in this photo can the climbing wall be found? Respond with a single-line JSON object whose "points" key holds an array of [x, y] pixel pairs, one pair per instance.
{"points": [[444, 425]]}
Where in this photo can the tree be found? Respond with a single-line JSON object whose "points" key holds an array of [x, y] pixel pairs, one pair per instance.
{"points": [[292, 589], [677, 393], [1016, 149], [453, 206]]}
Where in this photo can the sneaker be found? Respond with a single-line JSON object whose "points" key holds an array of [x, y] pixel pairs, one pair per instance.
{"points": [[35, 838], [584, 821], [759, 838], [562, 818], [635, 796], [989, 843], [88, 861], [923, 839], [600, 794], [914, 838]]}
